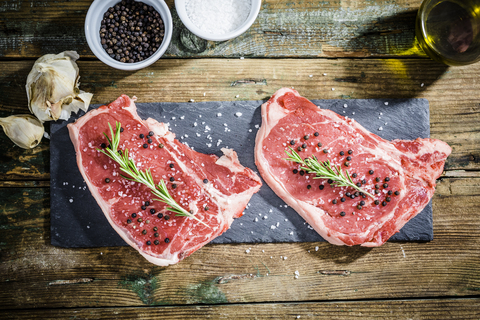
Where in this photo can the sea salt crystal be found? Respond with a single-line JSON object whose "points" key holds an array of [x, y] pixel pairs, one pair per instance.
{"points": [[297, 274], [386, 103], [218, 16], [380, 129], [238, 114], [219, 114]]}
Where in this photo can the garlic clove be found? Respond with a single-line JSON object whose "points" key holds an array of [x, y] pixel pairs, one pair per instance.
{"points": [[24, 130], [52, 87]]}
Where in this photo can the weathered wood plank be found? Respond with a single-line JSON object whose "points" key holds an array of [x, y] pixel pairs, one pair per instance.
{"points": [[453, 94], [462, 309], [283, 29], [33, 274]]}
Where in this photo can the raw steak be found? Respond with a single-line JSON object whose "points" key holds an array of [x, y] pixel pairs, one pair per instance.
{"points": [[216, 189], [403, 172]]}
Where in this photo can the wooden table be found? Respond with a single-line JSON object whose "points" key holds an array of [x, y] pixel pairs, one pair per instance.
{"points": [[367, 49]]}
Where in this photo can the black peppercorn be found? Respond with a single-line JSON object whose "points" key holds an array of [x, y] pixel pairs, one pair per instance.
{"points": [[172, 179], [144, 231], [358, 184], [388, 199], [155, 229], [156, 242], [141, 136], [143, 207], [145, 146], [134, 215], [362, 203], [390, 192], [364, 181], [343, 199], [348, 194], [354, 175], [167, 240], [377, 202], [316, 134], [377, 191], [151, 133], [319, 144], [304, 146], [350, 151], [396, 193], [321, 187], [160, 216], [149, 242], [384, 203], [330, 181], [334, 201], [385, 185], [309, 187], [171, 165], [302, 172], [107, 180], [103, 145], [121, 129], [292, 142], [377, 179], [205, 180], [152, 211], [325, 150], [359, 207], [174, 186], [347, 163], [149, 141], [387, 179], [167, 217], [343, 213], [342, 153], [295, 171], [349, 158], [306, 137], [129, 221], [160, 146], [147, 203], [206, 208], [299, 149]]}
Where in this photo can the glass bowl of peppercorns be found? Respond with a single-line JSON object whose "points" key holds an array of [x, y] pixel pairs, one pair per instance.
{"points": [[128, 34]]}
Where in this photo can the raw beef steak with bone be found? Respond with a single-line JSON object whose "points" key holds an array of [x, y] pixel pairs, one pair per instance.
{"points": [[399, 175], [215, 189]]}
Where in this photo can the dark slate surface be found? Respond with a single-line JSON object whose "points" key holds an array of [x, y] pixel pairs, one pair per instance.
{"points": [[77, 221]]}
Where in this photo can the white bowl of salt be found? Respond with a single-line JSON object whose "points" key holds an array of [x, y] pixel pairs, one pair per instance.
{"points": [[217, 20]]}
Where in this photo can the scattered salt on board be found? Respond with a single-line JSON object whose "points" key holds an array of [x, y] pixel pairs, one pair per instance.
{"points": [[218, 16]]}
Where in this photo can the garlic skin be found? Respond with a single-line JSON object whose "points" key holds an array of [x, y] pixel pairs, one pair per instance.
{"points": [[24, 130], [52, 87]]}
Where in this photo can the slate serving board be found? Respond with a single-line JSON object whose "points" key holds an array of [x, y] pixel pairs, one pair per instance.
{"points": [[77, 221]]}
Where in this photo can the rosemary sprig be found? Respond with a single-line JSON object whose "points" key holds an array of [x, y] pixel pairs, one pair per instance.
{"points": [[324, 170], [129, 167]]}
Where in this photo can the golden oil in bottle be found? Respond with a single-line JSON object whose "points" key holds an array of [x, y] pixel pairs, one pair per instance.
{"points": [[449, 30]]}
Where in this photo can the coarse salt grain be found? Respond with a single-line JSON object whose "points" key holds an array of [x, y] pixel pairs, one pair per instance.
{"points": [[218, 16]]}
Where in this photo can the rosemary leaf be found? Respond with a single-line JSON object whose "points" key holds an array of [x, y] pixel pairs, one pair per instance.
{"points": [[324, 170], [129, 167]]}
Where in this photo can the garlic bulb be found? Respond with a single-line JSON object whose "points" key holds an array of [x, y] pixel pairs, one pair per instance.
{"points": [[24, 130], [52, 87]]}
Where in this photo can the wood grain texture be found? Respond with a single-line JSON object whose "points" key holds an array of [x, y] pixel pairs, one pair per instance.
{"points": [[464, 309], [453, 94], [33, 274], [283, 29]]}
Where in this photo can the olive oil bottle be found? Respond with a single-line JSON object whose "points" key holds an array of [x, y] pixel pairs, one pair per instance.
{"points": [[449, 30]]}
